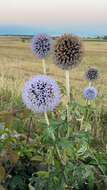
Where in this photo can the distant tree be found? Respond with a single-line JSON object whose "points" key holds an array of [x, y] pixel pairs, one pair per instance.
{"points": [[54, 37], [105, 37], [98, 37], [23, 40]]}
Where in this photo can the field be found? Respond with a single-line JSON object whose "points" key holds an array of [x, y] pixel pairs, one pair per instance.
{"points": [[17, 64], [70, 152]]}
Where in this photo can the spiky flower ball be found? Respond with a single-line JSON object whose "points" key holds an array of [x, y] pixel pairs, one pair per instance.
{"points": [[41, 45], [41, 94], [67, 51], [90, 93], [92, 74]]}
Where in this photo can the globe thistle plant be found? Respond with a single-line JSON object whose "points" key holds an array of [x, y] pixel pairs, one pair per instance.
{"points": [[92, 74], [41, 46], [67, 51], [41, 94], [90, 93]]}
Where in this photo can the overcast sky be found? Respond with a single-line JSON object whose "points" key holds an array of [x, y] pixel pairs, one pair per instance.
{"points": [[81, 16]]}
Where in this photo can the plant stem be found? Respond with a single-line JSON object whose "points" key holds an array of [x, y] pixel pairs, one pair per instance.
{"points": [[47, 121], [88, 102], [81, 122], [89, 83], [53, 137], [59, 155], [9, 171], [68, 132], [44, 66], [67, 86], [29, 128], [67, 94], [46, 118]]}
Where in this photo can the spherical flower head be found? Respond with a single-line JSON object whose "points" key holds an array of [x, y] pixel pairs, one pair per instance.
{"points": [[90, 93], [41, 45], [67, 51], [41, 94], [92, 74]]}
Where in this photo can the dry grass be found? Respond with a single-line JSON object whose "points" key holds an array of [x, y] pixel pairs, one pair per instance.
{"points": [[17, 64]]}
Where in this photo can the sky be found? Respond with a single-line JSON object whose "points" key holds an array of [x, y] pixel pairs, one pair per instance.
{"points": [[82, 17]]}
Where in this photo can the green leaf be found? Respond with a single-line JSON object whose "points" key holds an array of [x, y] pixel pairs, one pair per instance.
{"points": [[43, 173], [87, 126], [56, 163], [37, 158], [83, 149], [31, 187], [66, 143], [2, 125], [28, 153]]}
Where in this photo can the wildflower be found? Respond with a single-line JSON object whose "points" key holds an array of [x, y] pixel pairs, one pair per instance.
{"points": [[90, 93], [41, 45], [41, 94], [92, 74], [67, 51]]}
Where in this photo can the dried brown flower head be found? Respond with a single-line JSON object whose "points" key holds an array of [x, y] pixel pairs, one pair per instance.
{"points": [[92, 74], [67, 51]]}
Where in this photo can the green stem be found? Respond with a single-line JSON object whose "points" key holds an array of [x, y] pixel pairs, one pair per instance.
{"points": [[53, 137], [82, 121], [46, 118], [65, 178], [29, 130], [68, 132]]}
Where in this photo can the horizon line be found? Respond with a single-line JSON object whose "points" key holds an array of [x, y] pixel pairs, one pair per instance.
{"points": [[53, 35]]}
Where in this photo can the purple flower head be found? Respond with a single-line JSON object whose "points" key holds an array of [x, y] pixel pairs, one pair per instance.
{"points": [[41, 94], [41, 45], [90, 93]]}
